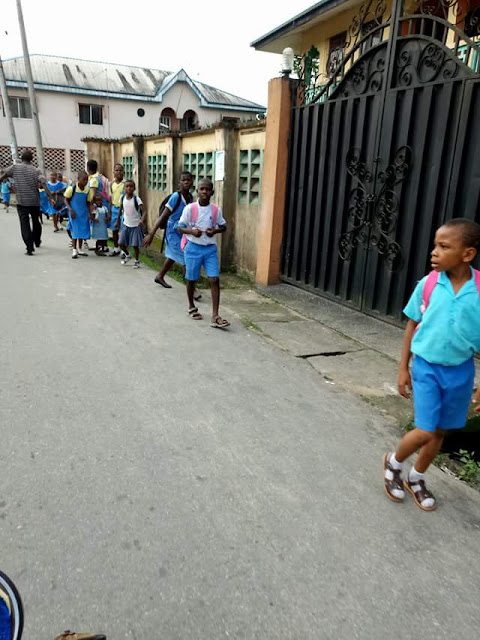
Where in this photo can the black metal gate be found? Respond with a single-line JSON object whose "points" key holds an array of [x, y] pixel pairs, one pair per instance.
{"points": [[382, 154]]}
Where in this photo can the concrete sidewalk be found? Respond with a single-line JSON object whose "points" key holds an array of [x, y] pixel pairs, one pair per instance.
{"points": [[165, 480]]}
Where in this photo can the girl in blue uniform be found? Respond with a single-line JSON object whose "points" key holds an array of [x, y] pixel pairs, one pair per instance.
{"points": [[76, 198], [56, 188], [100, 225]]}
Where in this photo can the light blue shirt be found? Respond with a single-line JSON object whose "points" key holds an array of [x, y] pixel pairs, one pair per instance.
{"points": [[449, 330]]}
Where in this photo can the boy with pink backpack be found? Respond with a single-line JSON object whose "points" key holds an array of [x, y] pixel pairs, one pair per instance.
{"points": [[199, 223], [442, 334]]}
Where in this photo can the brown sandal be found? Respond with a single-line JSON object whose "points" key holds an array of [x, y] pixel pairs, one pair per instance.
{"points": [[421, 494], [395, 483], [194, 314]]}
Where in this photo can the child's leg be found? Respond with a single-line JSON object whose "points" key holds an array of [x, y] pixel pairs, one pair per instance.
{"points": [[55, 221], [190, 293], [115, 234], [160, 278], [80, 243], [74, 243], [215, 288], [136, 251]]}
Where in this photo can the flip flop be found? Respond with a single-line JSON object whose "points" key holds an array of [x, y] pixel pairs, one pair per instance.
{"points": [[194, 314], [197, 297], [219, 323]]}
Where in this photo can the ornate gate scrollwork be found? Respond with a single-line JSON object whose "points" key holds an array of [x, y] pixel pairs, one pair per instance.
{"points": [[373, 215]]}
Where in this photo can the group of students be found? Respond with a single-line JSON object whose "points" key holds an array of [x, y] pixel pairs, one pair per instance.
{"points": [[94, 206]]}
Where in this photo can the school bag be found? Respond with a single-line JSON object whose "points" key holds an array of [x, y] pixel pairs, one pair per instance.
{"points": [[432, 281], [104, 188], [135, 202], [195, 210], [161, 209]]}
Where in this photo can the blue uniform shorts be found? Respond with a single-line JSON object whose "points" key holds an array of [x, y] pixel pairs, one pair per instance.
{"points": [[441, 395], [6, 198], [111, 224], [198, 255]]}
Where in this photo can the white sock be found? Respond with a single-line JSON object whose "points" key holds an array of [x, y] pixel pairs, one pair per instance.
{"points": [[395, 463], [398, 493], [416, 476]]}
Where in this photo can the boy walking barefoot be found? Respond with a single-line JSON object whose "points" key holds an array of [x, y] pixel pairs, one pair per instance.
{"points": [[443, 334], [200, 222]]}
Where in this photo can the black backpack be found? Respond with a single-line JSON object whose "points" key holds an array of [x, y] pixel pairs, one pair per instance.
{"points": [[163, 204], [135, 202]]}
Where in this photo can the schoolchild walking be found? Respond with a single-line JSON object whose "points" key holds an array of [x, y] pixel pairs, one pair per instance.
{"points": [[442, 334], [6, 194], [200, 223], [76, 198], [131, 235], [100, 226], [117, 190], [57, 189], [169, 220]]}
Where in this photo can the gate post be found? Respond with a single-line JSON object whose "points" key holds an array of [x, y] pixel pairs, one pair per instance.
{"points": [[274, 189]]}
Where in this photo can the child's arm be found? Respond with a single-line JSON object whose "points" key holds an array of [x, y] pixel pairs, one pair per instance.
{"points": [[211, 232], [142, 219], [404, 379], [120, 213], [193, 232]]}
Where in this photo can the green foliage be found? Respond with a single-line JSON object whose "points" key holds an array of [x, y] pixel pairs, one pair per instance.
{"points": [[470, 469]]}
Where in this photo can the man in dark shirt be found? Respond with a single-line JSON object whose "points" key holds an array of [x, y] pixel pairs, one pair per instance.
{"points": [[27, 180]]}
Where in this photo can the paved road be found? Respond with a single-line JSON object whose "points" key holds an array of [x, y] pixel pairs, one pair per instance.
{"points": [[163, 480]]}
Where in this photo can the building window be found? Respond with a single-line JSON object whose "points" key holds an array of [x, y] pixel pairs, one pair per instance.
{"points": [[157, 173], [77, 160], [250, 176], [336, 52], [165, 124], [374, 39], [90, 113], [200, 165], [20, 107], [189, 121], [127, 162]]}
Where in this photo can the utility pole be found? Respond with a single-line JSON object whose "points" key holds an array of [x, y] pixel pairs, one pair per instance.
{"points": [[31, 90], [8, 113]]}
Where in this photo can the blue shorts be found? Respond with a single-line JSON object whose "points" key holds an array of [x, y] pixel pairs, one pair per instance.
{"points": [[441, 395], [198, 255], [6, 198], [111, 224]]}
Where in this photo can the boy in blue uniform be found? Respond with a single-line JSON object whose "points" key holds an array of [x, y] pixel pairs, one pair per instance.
{"points": [[117, 190], [201, 221], [172, 213], [57, 189], [443, 334]]}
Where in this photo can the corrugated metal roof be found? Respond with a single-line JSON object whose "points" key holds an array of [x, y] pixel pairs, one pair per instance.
{"points": [[216, 96], [73, 75], [85, 74]]}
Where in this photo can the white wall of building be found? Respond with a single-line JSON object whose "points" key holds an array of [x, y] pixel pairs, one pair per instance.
{"points": [[61, 128]]}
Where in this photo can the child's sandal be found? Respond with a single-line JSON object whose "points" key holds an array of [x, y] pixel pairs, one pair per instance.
{"points": [[420, 493], [392, 481], [194, 314], [219, 323]]}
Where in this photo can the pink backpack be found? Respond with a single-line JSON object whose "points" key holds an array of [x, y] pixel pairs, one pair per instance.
{"points": [[184, 240], [431, 283]]}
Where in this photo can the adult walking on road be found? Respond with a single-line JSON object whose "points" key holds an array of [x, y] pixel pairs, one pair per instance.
{"points": [[27, 180]]}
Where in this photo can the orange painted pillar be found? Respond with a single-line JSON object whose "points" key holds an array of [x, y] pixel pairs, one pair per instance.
{"points": [[274, 189]]}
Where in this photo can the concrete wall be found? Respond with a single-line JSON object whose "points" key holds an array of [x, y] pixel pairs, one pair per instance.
{"points": [[247, 215], [238, 247]]}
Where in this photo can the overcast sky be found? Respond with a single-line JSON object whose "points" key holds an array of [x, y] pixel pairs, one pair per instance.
{"points": [[210, 40]]}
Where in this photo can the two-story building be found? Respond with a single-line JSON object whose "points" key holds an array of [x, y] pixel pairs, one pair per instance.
{"points": [[79, 99]]}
